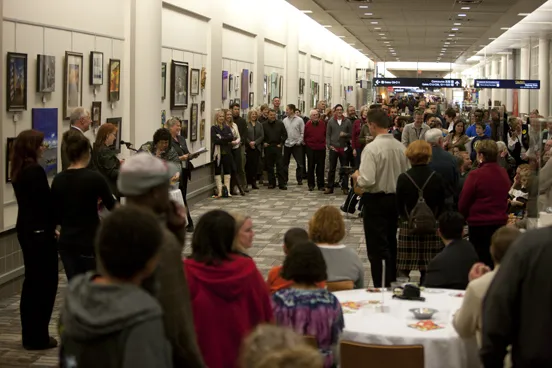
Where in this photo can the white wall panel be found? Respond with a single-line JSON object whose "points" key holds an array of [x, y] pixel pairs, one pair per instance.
{"points": [[181, 31], [275, 55], [238, 46]]}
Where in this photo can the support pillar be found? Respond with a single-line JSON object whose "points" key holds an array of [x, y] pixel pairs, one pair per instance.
{"points": [[524, 74], [495, 94], [510, 73], [544, 76], [503, 72]]}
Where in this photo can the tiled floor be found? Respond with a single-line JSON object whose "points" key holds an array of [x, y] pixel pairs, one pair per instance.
{"points": [[273, 212]]}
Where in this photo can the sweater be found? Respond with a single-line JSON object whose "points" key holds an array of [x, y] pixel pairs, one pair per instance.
{"points": [[275, 133], [334, 130], [343, 264], [450, 268], [484, 197], [315, 135]]}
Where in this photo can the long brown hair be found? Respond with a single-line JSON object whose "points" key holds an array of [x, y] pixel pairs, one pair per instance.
{"points": [[24, 151], [103, 132]]}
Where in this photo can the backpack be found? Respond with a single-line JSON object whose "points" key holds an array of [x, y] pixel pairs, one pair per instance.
{"points": [[421, 220]]}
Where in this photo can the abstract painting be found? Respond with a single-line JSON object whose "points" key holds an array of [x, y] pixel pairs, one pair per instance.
{"points": [[9, 155], [45, 74], [202, 130], [163, 80], [16, 93], [163, 118], [114, 80], [117, 122], [73, 82], [179, 85], [203, 77], [224, 85], [96, 68], [46, 121], [245, 89], [194, 82], [194, 122], [96, 114]]}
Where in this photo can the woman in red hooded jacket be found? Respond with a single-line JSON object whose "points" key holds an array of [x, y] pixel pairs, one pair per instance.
{"points": [[229, 296]]}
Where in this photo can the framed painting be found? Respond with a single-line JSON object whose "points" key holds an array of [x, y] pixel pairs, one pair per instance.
{"points": [[96, 68], [303, 106], [203, 77], [202, 107], [46, 121], [281, 87], [117, 122], [251, 99], [96, 114], [230, 103], [179, 85], [16, 78], [114, 80], [163, 118], [251, 78], [273, 86], [202, 130], [9, 155], [72, 91], [184, 129], [325, 91], [194, 122], [265, 86], [224, 85], [244, 88], [237, 83], [163, 81], [300, 86], [45, 74], [194, 82], [230, 82], [237, 101]]}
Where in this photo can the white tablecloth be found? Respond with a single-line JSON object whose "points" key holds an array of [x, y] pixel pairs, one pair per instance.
{"points": [[442, 348]]}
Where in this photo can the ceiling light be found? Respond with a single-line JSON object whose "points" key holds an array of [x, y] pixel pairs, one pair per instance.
{"points": [[451, 35], [383, 38], [386, 42], [394, 54], [462, 15], [447, 43], [382, 34], [368, 14], [363, 6], [373, 22], [359, 49], [457, 24], [465, 8], [454, 29], [505, 28], [327, 26], [377, 28], [524, 14], [492, 38], [306, 11], [341, 36]]}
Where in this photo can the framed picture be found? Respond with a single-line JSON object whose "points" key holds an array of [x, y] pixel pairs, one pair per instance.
{"points": [[202, 107], [9, 155], [194, 82], [114, 80], [231, 102], [46, 121], [251, 99], [96, 68], [224, 85], [244, 88], [163, 118], [193, 124], [301, 86], [117, 122], [184, 129], [251, 78], [237, 101], [163, 81], [203, 77], [45, 74], [325, 91], [237, 83], [202, 130], [179, 85], [72, 91], [303, 106], [96, 114], [16, 91], [230, 82], [265, 86], [281, 85]]}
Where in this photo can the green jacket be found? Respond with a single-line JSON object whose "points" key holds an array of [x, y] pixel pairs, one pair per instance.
{"points": [[105, 161]]}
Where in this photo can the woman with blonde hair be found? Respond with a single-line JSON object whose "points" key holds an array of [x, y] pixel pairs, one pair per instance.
{"points": [[221, 138], [244, 234], [253, 147], [104, 156], [236, 155], [327, 230]]}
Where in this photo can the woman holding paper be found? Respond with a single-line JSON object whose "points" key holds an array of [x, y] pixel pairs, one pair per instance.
{"points": [[178, 143]]}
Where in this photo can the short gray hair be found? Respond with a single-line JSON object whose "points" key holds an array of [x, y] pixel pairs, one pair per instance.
{"points": [[501, 146], [77, 114], [314, 111], [172, 122], [433, 136]]}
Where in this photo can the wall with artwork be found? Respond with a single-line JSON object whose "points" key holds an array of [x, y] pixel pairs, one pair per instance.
{"points": [[303, 90]]}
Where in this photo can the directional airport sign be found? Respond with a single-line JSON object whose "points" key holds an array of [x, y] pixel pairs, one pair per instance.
{"points": [[506, 83], [418, 82]]}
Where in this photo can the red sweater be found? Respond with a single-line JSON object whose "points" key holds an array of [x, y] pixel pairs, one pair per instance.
{"points": [[228, 301], [484, 197], [315, 135], [357, 126]]}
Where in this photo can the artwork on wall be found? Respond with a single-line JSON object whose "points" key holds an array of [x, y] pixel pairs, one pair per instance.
{"points": [[96, 68], [281, 87], [163, 118], [303, 107], [251, 78], [265, 86], [301, 86], [237, 83], [114, 80], [202, 130], [237, 101], [184, 129], [273, 86], [16, 92], [194, 82], [230, 82], [230, 103], [325, 91], [203, 77], [73, 82], [117, 122], [46, 121], [202, 107], [224, 85], [96, 114], [45, 74], [179, 85], [251, 99], [9, 155], [245, 89], [163, 81], [193, 123], [329, 94]]}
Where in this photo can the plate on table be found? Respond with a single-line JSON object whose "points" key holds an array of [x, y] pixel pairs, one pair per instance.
{"points": [[426, 326], [457, 295]]}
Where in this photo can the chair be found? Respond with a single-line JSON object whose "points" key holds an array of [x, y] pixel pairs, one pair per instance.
{"points": [[311, 341], [340, 285], [407, 356]]}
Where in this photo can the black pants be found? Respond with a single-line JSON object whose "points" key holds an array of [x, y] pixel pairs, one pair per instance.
{"points": [[380, 219], [273, 158], [225, 165], [39, 289], [184, 189], [299, 156], [357, 158], [343, 161], [480, 237], [317, 161], [76, 262], [252, 164]]}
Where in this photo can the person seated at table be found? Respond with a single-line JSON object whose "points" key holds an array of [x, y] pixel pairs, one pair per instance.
{"points": [[292, 237], [305, 307], [518, 196], [449, 269], [467, 320], [327, 230]]}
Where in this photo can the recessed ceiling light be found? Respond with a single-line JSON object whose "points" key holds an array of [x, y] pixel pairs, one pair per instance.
{"points": [[341, 36], [386, 42], [524, 14], [465, 8], [492, 38], [447, 43], [505, 28], [452, 35], [383, 37], [449, 38], [373, 22], [307, 11], [454, 29], [382, 34], [377, 28], [462, 15], [363, 6], [327, 26], [368, 14], [457, 24]]}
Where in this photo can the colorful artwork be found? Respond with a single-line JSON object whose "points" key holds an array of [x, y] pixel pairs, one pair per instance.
{"points": [[163, 118], [224, 85], [46, 74], [114, 80], [202, 130], [17, 82], [179, 85], [203, 77], [46, 121], [194, 121], [96, 68], [245, 89], [73, 82]]}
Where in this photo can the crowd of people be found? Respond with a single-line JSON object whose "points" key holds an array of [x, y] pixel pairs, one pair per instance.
{"points": [[133, 300]]}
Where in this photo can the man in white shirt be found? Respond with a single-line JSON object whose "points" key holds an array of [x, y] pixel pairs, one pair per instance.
{"points": [[295, 127], [382, 162], [80, 120]]}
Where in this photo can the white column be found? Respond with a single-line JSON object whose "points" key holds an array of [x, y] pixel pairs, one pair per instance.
{"points": [[495, 93], [488, 75], [145, 66], [544, 76], [483, 92], [503, 71], [524, 74], [291, 81], [510, 75]]}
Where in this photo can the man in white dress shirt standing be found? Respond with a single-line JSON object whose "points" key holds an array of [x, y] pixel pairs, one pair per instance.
{"points": [[295, 127], [382, 162]]}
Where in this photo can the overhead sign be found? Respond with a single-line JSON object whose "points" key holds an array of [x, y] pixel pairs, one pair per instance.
{"points": [[418, 82], [506, 83]]}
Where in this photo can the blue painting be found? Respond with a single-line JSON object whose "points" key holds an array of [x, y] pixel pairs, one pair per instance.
{"points": [[46, 121]]}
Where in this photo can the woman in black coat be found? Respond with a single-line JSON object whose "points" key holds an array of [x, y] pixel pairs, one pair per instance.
{"points": [[104, 156]]}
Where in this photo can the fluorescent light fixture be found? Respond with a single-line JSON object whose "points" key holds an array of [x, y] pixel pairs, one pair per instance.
{"points": [[383, 37], [352, 44], [447, 43], [457, 24], [451, 35], [465, 8], [492, 38], [373, 22], [462, 15], [341, 36], [454, 29], [377, 28], [524, 14], [386, 42], [306, 11], [505, 28], [363, 6], [327, 26], [382, 34], [368, 14]]}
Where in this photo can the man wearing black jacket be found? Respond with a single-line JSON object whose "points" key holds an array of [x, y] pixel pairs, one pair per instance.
{"points": [[242, 128], [275, 135]]}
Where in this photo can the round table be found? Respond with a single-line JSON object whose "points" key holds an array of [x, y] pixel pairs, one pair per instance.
{"points": [[442, 347]]}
